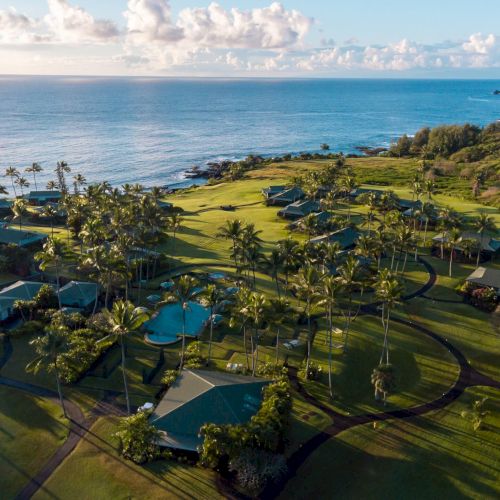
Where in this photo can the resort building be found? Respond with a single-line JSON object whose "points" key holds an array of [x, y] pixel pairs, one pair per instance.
{"points": [[200, 397], [404, 205], [359, 191], [39, 198], [286, 197], [489, 246], [321, 219], [485, 277], [345, 237], [5, 207], [20, 238], [271, 191], [165, 205], [299, 209], [79, 294], [20, 290]]}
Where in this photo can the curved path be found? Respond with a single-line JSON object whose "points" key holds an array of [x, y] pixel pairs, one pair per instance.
{"points": [[468, 377]]}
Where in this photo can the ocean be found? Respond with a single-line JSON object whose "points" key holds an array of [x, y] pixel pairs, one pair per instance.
{"points": [[150, 131]]}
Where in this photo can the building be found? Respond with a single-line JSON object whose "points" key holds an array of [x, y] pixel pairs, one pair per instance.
{"points": [[20, 238], [5, 207], [359, 191], [405, 205], [489, 246], [271, 191], [345, 237], [165, 205], [20, 290], [321, 218], [299, 209], [79, 294], [201, 397], [286, 197], [39, 198], [484, 277]]}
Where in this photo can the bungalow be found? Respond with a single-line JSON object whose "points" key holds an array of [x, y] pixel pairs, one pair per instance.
{"points": [[322, 218], [200, 397], [299, 209], [359, 191], [79, 294], [5, 207], [20, 238], [345, 237], [165, 205], [489, 246], [286, 197], [405, 205], [485, 277], [271, 191], [20, 290], [39, 198]]}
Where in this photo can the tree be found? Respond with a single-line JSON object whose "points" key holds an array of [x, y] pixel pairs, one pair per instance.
{"points": [[454, 240], [255, 310], [50, 212], [175, 224], [48, 348], [78, 181], [34, 169], [52, 254], [20, 209], [306, 286], [483, 225], [476, 414], [232, 230], [290, 253], [62, 168], [210, 297], [273, 263], [279, 313], [51, 185], [383, 381], [329, 299], [13, 173], [138, 438], [124, 319], [183, 292], [309, 224]]}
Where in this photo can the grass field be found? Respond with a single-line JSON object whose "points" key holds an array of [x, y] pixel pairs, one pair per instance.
{"points": [[437, 455]]}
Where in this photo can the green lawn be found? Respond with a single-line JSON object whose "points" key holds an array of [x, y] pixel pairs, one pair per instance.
{"points": [[31, 430]]}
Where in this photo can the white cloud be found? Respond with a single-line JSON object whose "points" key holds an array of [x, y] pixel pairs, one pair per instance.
{"points": [[72, 24], [16, 28], [480, 44]]}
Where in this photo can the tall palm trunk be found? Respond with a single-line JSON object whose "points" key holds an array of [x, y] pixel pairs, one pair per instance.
{"points": [[256, 353], [452, 249], [58, 287], [479, 251], [309, 334], [277, 344], [330, 348], [183, 337], [59, 388], [211, 334], [124, 374]]}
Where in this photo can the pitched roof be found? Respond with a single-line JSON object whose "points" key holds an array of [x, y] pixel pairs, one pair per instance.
{"points": [[300, 208], [20, 238], [291, 194], [273, 190], [44, 194], [488, 244], [485, 276], [78, 292], [359, 191], [199, 397], [22, 290], [346, 237], [4, 203]]}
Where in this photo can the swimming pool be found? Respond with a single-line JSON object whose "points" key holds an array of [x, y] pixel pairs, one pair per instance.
{"points": [[166, 326]]}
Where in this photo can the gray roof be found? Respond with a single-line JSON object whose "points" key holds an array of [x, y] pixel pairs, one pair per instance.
{"points": [[19, 238], [289, 195], [22, 290], [488, 244], [485, 276], [300, 208], [78, 293], [346, 237], [273, 190], [35, 195], [199, 397]]}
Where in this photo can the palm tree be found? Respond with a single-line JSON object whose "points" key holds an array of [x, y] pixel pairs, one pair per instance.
{"points": [[427, 212], [22, 183], [405, 238], [255, 310], [50, 212], [290, 253], [232, 230], [124, 319], [383, 381], [13, 173], [350, 280], [279, 313], [309, 224], [175, 224], [388, 290], [240, 317], [210, 297], [273, 263], [48, 348], [34, 169], [454, 240], [52, 254], [78, 181], [3, 189], [329, 299], [370, 200], [483, 225], [183, 292], [51, 185], [306, 287], [19, 209]]}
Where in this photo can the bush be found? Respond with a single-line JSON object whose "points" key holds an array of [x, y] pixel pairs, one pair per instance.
{"points": [[255, 468], [138, 439], [314, 372], [484, 299], [193, 357], [169, 377], [28, 328]]}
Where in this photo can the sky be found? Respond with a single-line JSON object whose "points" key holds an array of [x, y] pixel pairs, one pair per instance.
{"points": [[251, 38]]}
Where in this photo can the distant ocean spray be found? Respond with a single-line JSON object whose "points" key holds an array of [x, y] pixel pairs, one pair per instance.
{"points": [[151, 130]]}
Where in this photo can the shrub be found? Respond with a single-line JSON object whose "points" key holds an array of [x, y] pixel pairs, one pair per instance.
{"points": [[255, 468], [28, 328], [193, 357], [169, 377], [138, 439], [484, 299], [46, 298], [314, 372]]}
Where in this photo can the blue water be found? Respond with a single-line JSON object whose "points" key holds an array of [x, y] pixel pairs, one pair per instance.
{"points": [[167, 324], [152, 130]]}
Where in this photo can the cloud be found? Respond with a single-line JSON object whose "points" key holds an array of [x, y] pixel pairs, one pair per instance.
{"points": [[16, 28], [72, 24]]}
